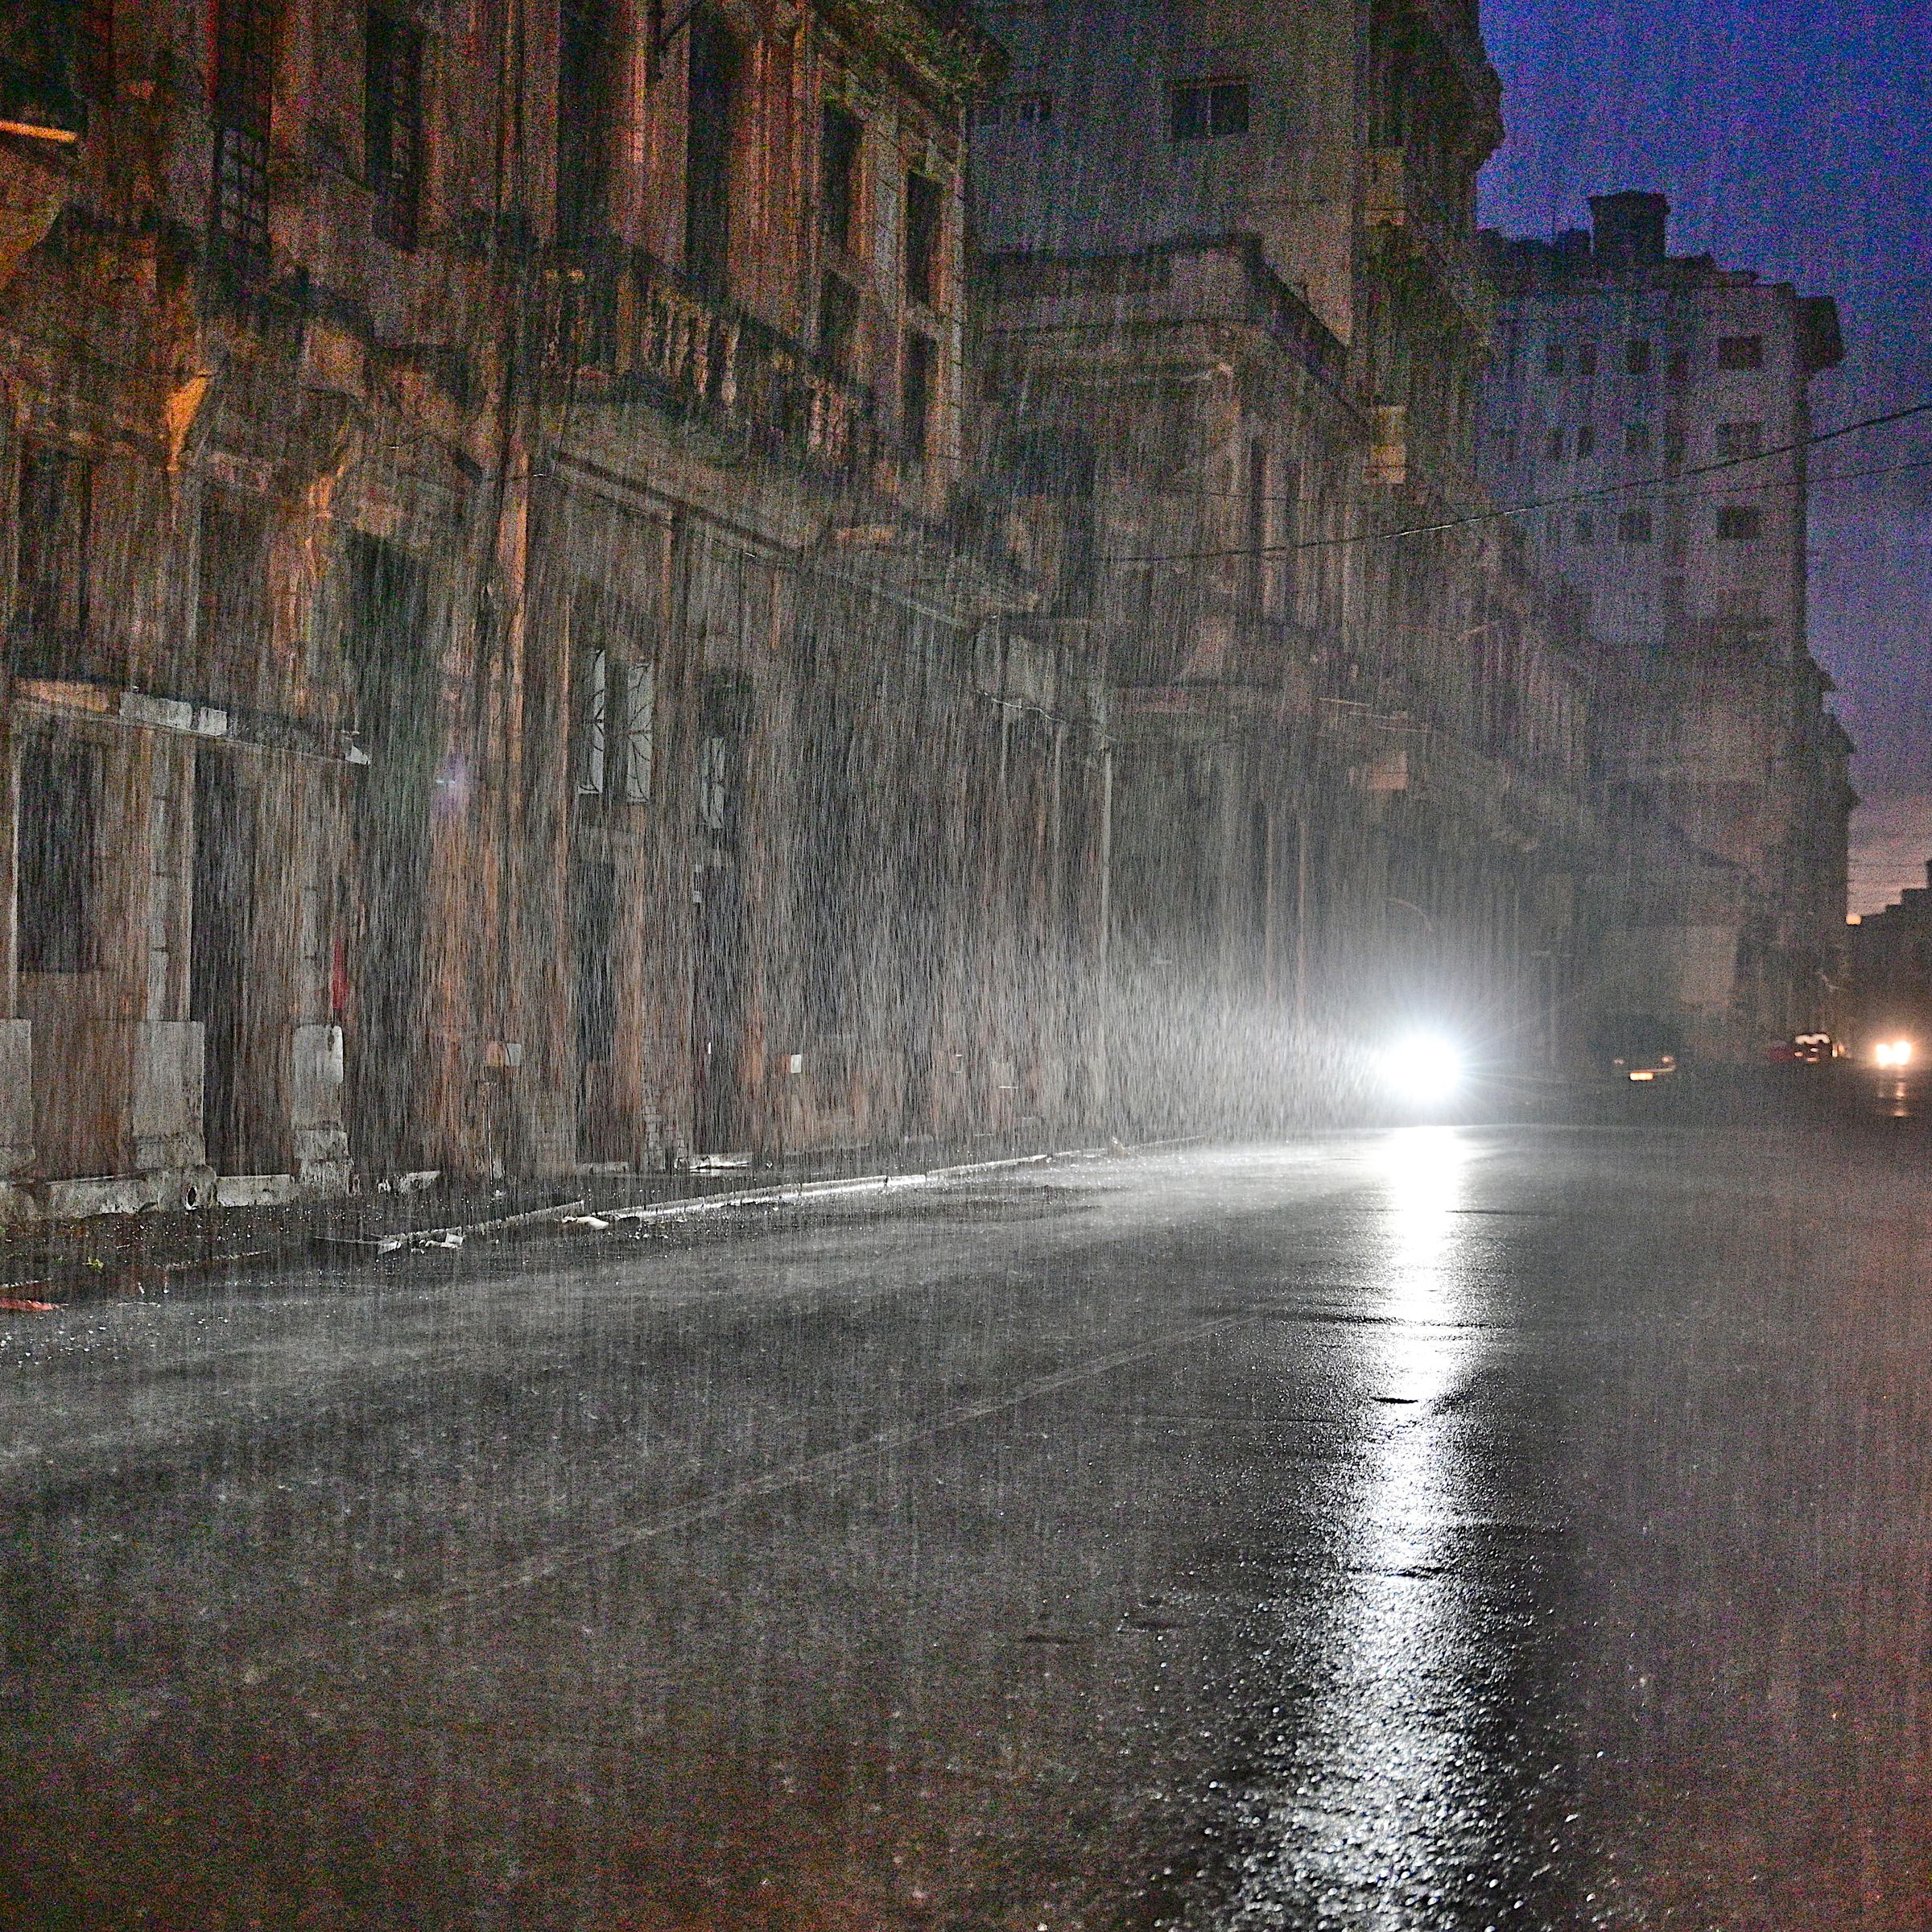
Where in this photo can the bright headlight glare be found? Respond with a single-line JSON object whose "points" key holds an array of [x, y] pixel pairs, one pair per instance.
{"points": [[1423, 1067], [1892, 1053]]}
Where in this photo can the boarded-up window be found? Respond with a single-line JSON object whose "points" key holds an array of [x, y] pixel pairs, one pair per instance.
{"points": [[58, 859], [838, 324], [233, 603], [915, 419], [49, 603]]}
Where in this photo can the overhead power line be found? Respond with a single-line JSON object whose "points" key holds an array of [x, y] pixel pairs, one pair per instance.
{"points": [[1652, 485]]}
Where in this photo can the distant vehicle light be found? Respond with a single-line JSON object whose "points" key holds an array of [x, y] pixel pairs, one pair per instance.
{"points": [[1423, 1069], [1643, 1073], [1892, 1053]]}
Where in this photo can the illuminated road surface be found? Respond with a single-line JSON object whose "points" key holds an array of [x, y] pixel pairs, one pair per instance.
{"points": [[1435, 1529]]}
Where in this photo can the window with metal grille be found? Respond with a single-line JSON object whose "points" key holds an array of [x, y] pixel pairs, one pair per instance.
{"points": [[925, 219], [244, 85], [50, 598], [640, 725], [1210, 111], [392, 123], [58, 866], [232, 613], [593, 700]]}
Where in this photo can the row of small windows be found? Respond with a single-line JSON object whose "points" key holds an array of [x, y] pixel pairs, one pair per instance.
{"points": [[1735, 523], [1204, 110], [1735, 441], [1733, 352]]}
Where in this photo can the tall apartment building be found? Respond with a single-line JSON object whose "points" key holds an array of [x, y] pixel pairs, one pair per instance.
{"points": [[1231, 322], [1658, 407]]}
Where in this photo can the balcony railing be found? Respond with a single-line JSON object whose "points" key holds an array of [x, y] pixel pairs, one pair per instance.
{"points": [[618, 323]]}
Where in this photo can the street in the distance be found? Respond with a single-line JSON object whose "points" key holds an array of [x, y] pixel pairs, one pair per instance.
{"points": [[1430, 1528]]}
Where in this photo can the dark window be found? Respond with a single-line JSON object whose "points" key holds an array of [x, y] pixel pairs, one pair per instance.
{"points": [[58, 862], [1673, 446], [1257, 522], [1585, 441], [1585, 358], [708, 155], [244, 79], [584, 71], [50, 602], [1554, 448], [1740, 351], [1210, 111], [915, 415], [1740, 523], [1736, 441], [232, 625], [392, 123], [1633, 526], [1553, 359], [1636, 440], [924, 221], [1636, 357], [840, 135], [94, 45], [1677, 369], [1586, 530], [53, 54], [1034, 109], [838, 324]]}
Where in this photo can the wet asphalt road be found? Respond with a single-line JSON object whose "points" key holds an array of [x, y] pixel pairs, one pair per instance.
{"points": [[1437, 1529]]}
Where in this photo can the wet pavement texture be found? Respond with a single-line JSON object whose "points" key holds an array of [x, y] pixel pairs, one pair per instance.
{"points": [[1432, 1529]]}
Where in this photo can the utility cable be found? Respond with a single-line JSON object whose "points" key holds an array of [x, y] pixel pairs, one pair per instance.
{"points": [[1507, 512]]}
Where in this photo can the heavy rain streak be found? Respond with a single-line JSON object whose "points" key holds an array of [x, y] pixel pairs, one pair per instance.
{"points": [[938, 992]]}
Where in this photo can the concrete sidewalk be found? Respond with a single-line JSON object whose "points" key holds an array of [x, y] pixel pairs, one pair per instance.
{"points": [[108, 1257]]}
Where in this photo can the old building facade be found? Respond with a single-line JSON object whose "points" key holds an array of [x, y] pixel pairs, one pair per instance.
{"points": [[1233, 325], [492, 685], [1658, 407], [565, 614]]}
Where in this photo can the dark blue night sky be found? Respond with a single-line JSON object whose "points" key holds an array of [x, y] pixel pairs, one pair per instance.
{"points": [[1794, 138]]}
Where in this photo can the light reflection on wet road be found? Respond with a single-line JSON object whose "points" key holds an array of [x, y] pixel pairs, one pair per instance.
{"points": [[1429, 1530]]}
